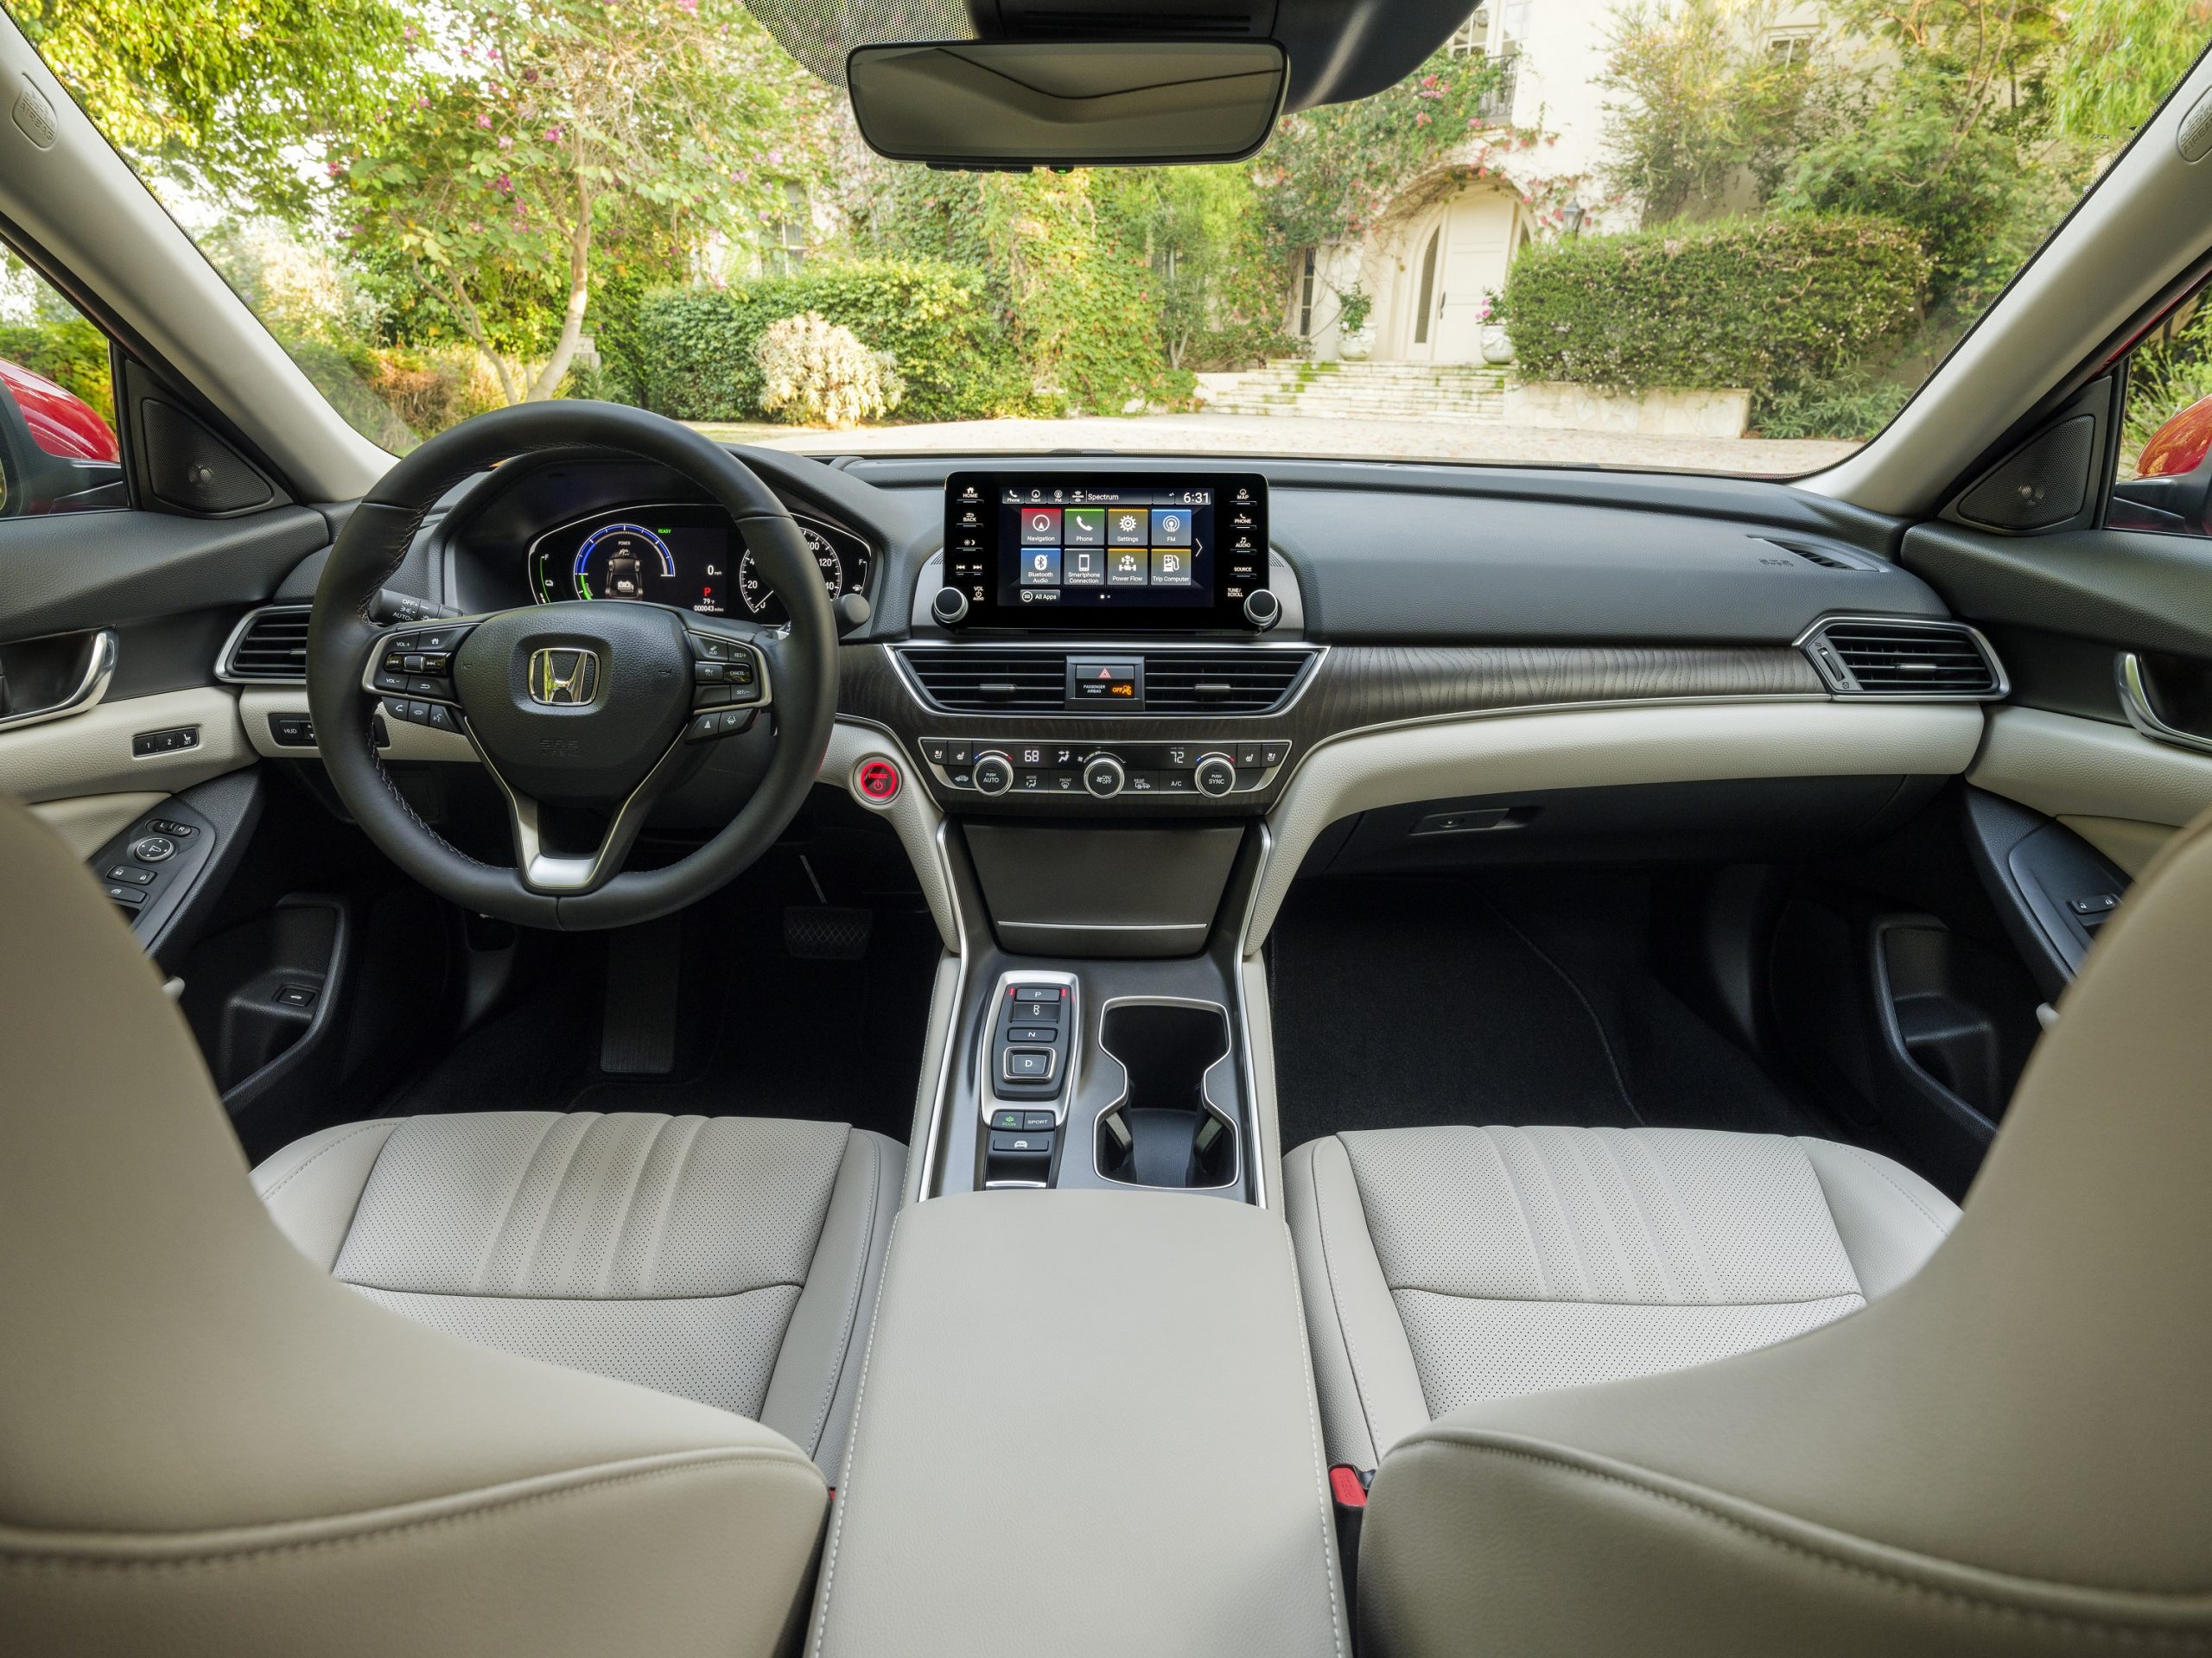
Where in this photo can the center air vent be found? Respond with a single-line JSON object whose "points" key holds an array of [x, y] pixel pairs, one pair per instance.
{"points": [[992, 682], [1221, 681], [269, 644], [1874, 656]]}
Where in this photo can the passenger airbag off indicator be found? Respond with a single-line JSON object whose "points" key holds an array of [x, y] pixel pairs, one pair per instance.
{"points": [[877, 781]]}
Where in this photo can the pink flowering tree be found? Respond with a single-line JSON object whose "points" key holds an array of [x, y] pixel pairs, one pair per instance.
{"points": [[528, 132]]}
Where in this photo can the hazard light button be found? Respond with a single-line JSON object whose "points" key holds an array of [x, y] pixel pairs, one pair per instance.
{"points": [[878, 781]]}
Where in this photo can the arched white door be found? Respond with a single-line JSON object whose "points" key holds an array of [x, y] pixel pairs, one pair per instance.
{"points": [[1461, 261]]}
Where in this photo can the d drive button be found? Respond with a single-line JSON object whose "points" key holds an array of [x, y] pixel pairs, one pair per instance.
{"points": [[1029, 1065]]}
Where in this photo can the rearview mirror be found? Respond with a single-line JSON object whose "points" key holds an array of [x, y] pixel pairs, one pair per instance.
{"points": [[1068, 103]]}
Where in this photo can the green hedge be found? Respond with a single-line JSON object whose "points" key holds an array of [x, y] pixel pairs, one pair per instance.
{"points": [[73, 354], [689, 352], [1784, 301]]}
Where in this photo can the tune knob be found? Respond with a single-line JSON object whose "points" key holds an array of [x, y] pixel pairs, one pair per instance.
{"points": [[993, 773], [1263, 609], [1104, 776], [949, 607], [1217, 775]]}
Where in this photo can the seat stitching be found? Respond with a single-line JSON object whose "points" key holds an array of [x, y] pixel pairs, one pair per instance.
{"points": [[1520, 1209], [506, 1210], [2181, 1640], [1666, 1178], [602, 1140], [1336, 1304], [16, 1555], [1607, 1143], [1578, 1145], [1858, 1295], [852, 1454], [552, 1198], [1313, 1432], [629, 1204], [1884, 1177], [589, 1300], [668, 1201], [1567, 1229], [853, 1291], [323, 1152]]}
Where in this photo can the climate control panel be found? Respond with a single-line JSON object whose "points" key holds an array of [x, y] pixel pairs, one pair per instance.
{"points": [[1208, 768]]}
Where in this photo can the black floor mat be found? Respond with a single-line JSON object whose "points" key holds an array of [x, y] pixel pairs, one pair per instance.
{"points": [[1526, 1000], [760, 1033]]}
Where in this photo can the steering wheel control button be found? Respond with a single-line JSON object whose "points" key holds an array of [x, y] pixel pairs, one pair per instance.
{"points": [[877, 780], [1216, 775], [153, 848], [993, 773], [1104, 776]]}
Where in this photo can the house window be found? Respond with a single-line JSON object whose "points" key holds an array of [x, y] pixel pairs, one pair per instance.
{"points": [[788, 244], [1427, 286], [1794, 46], [1471, 38], [1306, 296]]}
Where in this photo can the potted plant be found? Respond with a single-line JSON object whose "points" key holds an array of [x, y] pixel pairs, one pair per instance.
{"points": [[1497, 346], [1355, 308]]}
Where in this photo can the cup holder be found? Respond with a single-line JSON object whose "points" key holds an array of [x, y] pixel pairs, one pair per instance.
{"points": [[1163, 1131]]}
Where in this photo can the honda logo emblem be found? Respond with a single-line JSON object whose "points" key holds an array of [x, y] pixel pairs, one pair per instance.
{"points": [[564, 676]]}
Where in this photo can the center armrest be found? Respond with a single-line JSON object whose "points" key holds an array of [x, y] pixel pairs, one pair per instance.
{"points": [[1086, 1425]]}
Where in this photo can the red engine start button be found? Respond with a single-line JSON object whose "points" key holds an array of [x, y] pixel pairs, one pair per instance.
{"points": [[878, 780]]}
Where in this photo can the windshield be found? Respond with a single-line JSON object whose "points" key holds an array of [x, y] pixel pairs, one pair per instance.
{"points": [[1700, 234]]}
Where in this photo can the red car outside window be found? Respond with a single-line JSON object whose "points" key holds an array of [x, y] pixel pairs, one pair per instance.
{"points": [[61, 424]]}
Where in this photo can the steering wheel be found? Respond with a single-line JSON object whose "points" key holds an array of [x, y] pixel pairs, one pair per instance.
{"points": [[583, 713]]}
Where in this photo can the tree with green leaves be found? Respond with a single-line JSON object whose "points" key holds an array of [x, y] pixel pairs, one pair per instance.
{"points": [[2122, 57], [220, 96], [1701, 114], [1329, 172], [531, 130]]}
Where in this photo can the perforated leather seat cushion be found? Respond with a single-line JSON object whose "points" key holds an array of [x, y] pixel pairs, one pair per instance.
{"points": [[727, 1260], [1442, 1266]]}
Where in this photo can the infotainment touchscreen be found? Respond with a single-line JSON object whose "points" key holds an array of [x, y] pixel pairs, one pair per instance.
{"points": [[1106, 549]]}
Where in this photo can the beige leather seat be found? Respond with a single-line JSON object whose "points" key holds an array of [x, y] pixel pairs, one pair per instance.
{"points": [[728, 1259], [208, 1445], [1445, 1266], [2008, 1452]]}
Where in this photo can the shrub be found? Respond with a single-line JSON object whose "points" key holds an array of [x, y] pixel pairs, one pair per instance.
{"points": [[71, 354], [817, 372], [1855, 404], [694, 352], [1781, 301]]}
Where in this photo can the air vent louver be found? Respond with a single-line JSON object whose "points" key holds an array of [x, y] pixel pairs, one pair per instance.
{"points": [[271, 645], [1221, 681], [992, 682], [1878, 659]]}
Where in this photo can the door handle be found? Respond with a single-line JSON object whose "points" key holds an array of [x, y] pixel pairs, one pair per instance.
{"points": [[2135, 703], [91, 685]]}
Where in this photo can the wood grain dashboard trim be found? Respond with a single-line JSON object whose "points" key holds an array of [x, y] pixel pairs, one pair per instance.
{"points": [[1356, 688]]}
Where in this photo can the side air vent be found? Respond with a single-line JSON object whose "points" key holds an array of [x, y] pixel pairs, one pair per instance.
{"points": [[271, 645], [1222, 681], [1878, 657], [992, 682]]}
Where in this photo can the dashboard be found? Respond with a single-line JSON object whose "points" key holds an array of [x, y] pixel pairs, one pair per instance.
{"points": [[683, 554]]}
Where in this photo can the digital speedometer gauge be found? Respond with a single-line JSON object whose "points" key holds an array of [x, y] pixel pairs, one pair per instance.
{"points": [[686, 554], [621, 560]]}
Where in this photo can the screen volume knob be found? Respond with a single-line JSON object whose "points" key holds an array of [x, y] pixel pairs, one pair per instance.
{"points": [[1104, 776], [949, 607], [993, 773], [1216, 776], [1263, 609]]}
